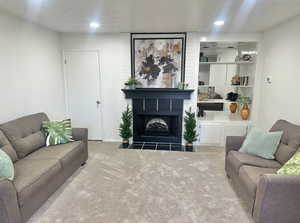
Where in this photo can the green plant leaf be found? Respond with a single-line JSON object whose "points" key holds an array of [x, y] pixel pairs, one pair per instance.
{"points": [[125, 130], [190, 133]]}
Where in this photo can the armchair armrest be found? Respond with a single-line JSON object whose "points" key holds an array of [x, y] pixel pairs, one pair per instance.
{"points": [[277, 199], [9, 207], [234, 143]]}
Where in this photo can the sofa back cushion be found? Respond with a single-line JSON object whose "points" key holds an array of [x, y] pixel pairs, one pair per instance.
{"points": [[290, 140], [7, 147], [25, 133]]}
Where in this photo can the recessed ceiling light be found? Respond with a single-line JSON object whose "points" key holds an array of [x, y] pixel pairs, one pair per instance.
{"points": [[94, 25], [219, 23]]}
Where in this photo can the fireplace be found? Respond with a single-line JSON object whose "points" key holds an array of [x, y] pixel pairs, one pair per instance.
{"points": [[157, 115]]}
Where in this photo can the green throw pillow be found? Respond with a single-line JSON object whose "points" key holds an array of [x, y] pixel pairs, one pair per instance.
{"points": [[260, 143], [291, 167], [6, 166], [58, 132]]}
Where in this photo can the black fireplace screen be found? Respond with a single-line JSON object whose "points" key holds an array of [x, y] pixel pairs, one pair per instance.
{"points": [[157, 126]]}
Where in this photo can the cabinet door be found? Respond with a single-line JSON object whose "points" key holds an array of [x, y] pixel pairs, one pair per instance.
{"points": [[211, 134]]}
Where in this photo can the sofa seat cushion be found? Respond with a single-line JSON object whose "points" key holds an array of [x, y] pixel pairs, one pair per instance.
{"points": [[33, 176], [238, 159], [249, 177], [66, 153], [25, 133]]}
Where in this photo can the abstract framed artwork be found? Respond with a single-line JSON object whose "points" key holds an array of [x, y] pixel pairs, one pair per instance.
{"points": [[158, 59]]}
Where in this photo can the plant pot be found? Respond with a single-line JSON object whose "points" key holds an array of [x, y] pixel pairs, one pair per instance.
{"points": [[245, 112], [125, 143], [233, 107], [189, 147], [132, 86]]}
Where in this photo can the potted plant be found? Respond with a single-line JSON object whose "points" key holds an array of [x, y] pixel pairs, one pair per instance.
{"points": [[190, 133], [132, 83], [244, 101], [125, 127], [182, 86]]}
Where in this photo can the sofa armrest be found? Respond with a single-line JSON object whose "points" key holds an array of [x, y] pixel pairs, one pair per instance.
{"points": [[277, 199], [234, 143], [80, 134], [9, 207]]}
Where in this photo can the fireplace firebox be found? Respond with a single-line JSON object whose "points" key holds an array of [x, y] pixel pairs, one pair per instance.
{"points": [[157, 115]]}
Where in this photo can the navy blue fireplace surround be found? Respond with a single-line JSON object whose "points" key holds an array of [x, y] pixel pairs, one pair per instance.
{"points": [[157, 116]]}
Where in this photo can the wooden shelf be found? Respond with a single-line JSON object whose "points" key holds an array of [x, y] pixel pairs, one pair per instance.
{"points": [[205, 86], [215, 101], [240, 62], [242, 86]]}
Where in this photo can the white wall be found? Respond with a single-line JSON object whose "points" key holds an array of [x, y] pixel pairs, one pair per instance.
{"points": [[280, 100], [115, 69], [30, 70]]}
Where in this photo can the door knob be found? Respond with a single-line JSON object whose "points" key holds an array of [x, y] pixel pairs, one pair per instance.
{"points": [[98, 102]]}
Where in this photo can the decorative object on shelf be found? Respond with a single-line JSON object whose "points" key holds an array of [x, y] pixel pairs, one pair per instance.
{"points": [[190, 133], [244, 80], [236, 80], [237, 58], [202, 96], [233, 107], [245, 111], [125, 127], [247, 57], [158, 59], [182, 86], [200, 83], [203, 58], [211, 92], [231, 96], [132, 83], [243, 58]]}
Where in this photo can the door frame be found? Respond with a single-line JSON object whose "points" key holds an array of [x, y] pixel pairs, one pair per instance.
{"points": [[64, 52]]}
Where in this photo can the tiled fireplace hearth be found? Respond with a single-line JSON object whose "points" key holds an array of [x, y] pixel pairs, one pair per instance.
{"points": [[157, 117]]}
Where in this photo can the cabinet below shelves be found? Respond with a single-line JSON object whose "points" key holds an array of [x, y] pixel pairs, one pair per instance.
{"points": [[215, 133]]}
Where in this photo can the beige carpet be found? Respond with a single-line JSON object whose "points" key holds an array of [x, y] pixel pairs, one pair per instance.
{"points": [[133, 186]]}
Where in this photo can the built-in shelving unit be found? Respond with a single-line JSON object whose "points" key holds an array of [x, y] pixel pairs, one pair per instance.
{"points": [[225, 62]]}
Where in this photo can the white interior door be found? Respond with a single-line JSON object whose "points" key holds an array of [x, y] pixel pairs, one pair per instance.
{"points": [[83, 90]]}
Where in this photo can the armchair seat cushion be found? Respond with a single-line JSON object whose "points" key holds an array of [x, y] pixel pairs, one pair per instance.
{"points": [[238, 159], [33, 176], [249, 177]]}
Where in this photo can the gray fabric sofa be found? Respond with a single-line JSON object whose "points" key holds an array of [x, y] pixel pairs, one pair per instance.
{"points": [[39, 170], [272, 198]]}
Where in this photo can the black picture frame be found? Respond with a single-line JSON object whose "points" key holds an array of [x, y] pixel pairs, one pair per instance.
{"points": [[159, 35]]}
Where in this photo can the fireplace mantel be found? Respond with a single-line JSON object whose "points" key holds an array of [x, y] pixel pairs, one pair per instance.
{"points": [[171, 93]]}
